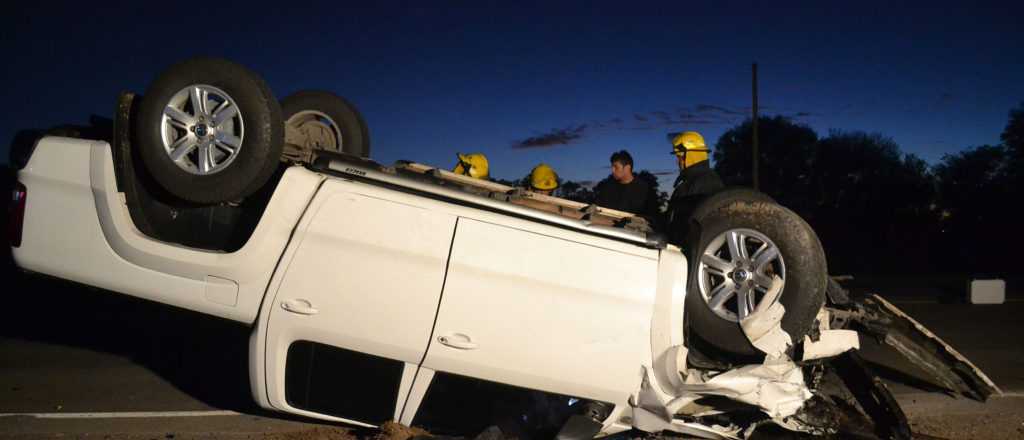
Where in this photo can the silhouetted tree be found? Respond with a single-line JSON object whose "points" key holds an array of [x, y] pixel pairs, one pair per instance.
{"points": [[576, 192], [978, 209], [786, 151], [659, 198], [1013, 139], [873, 205], [858, 171], [1013, 134], [970, 180], [877, 209]]}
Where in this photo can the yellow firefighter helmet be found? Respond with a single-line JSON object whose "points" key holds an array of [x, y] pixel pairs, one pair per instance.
{"points": [[472, 165], [543, 177]]}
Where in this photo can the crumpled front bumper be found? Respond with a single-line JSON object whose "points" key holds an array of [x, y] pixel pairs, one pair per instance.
{"points": [[819, 385]]}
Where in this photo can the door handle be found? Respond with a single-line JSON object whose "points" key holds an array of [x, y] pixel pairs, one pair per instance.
{"points": [[299, 306], [457, 340]]}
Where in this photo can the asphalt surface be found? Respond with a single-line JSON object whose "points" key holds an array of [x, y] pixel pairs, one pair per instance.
{"points": [[92, 364]]}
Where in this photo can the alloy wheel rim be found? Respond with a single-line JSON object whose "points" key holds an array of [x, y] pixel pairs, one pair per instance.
{"points": [[735, 271]]}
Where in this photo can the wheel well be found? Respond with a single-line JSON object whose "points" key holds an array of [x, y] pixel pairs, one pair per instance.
{"points": [[159, 215]]}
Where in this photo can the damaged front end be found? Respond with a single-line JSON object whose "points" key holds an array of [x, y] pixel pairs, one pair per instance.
{"points": [[819, 385]]}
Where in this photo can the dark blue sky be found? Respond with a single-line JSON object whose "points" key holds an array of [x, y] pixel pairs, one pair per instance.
{"points": [[472, 76]]}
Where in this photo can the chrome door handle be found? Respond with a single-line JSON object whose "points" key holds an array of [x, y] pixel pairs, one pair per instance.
{"points": [[457, 340], [299, 306]]}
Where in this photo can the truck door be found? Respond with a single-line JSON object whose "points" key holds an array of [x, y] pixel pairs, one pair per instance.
{"points": [[542, 312], [351, 318]]}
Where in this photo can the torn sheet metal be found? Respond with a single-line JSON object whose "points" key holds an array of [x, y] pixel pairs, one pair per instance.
{"points": [[827, 342], [763, 327], [830, 343], [777, 387], [651, 413], [986, 382], [921, 347]]}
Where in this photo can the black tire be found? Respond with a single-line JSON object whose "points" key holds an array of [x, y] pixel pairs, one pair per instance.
{"points": [[354, 135], [727, 196], [805, 274], [685, 226], [257, 155]]}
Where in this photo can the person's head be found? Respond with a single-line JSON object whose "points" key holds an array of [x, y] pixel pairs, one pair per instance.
{"points": [[472, 165], [622, 166], [689, 148], [543, 179]]}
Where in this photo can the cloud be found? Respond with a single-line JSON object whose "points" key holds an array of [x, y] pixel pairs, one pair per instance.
{"points": [[687, 117], [662, 116], [615, 123], [676, 119], [710, 108], [554, 138]]}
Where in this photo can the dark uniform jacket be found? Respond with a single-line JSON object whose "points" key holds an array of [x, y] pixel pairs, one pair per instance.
{"points": [[692, 186]]}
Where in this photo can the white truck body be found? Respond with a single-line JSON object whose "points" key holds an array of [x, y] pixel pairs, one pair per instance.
{"points": [[426, 283]]}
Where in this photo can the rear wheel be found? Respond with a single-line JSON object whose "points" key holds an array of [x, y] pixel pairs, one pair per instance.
{"points": [[742, 246], [209, 131], [322, 121]]}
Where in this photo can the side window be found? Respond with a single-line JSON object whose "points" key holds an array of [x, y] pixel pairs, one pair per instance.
{"points": [[460, 405], [316, 375]]}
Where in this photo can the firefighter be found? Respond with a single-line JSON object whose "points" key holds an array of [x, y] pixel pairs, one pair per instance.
{"points": [[472, 165], [543, 179], [696, 180], [695, 174]]}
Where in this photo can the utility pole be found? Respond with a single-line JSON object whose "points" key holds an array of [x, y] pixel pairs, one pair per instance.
{"points": [[757, 186]]}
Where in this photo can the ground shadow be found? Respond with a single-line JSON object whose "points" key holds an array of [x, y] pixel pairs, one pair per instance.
{"points": [[203, 356]]}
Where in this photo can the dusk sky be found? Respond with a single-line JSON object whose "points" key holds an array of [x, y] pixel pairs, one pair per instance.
{"points": [[566, 84]]}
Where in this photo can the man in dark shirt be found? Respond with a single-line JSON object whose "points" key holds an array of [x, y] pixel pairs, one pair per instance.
{"points": [[624, 192]]}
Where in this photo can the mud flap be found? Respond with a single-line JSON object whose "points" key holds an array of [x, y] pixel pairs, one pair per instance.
{"points": [[950, 369]]}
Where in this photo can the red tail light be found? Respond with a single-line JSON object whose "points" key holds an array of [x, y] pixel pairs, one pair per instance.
{"points": [[17, 217]]}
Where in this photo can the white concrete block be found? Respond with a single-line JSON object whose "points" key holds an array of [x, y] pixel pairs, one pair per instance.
{"points": [[987, 291]]}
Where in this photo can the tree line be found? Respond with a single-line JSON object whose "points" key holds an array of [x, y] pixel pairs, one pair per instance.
{"points": [[877, 209], [880, 210]]}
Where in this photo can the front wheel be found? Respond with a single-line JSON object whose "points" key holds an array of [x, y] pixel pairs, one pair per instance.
{"points": [[742, 247]]}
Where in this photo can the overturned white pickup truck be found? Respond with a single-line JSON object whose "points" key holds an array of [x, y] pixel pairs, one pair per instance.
{"points": [[409, 293]]}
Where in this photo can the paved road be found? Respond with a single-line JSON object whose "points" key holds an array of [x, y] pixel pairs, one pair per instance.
{"points": [[68, 351]]}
